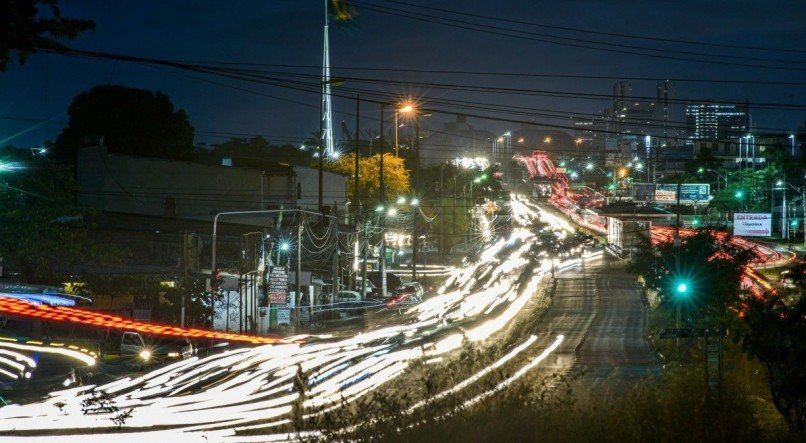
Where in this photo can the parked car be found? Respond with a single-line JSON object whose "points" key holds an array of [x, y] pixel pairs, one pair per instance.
{"points": [[370, 291], [392, 281], [407, 293], [349, 304]]}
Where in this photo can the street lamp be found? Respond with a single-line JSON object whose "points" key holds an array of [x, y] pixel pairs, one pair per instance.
{"points": [[718, 175], [405, 109], [781, 185]]}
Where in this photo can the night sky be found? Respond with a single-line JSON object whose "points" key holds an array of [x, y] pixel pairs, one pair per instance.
{"points": [[290, 33]]}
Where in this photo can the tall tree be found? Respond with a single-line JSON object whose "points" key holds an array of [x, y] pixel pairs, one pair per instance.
{"points": [[127, 121], [24, 28]]}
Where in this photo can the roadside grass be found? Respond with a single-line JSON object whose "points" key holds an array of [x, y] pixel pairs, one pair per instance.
{"points": [[673, 407]]}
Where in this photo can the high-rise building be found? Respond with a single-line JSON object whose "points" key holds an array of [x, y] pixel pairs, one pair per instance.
{"points": [[621, 95], [664, 106], [717, 120]]}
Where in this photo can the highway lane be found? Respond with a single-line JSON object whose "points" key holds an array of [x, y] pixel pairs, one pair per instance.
{"points": [[599, 309]]}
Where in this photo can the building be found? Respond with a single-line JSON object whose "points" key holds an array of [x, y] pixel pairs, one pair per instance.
{"points": [[146, 186], [715, 121], [456, 139], [746, 150]]}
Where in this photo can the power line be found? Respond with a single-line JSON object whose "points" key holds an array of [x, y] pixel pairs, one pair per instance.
{"points": [[499, 73], [610, 34], [507, 32]]}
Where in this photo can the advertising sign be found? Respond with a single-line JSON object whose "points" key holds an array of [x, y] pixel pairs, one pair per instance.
{"points": [[663, 196], [643, 192], [690, 193], [278, 285], [752, 224]]}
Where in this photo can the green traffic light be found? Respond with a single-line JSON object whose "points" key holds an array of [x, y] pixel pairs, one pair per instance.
{"points": [[794, 223], [739, 194], [700, 170], [682, 288], [696, 222]]}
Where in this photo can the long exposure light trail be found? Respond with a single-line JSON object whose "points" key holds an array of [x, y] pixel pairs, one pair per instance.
{"points": [[253, 388]]}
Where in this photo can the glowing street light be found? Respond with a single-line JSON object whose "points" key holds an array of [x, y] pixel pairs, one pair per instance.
{"points": [[401, 200], [589, 166], [284, 246], [415, 201], [392, 212]]}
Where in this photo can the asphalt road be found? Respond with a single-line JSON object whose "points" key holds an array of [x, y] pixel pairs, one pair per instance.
{"points": [[599, 309]]}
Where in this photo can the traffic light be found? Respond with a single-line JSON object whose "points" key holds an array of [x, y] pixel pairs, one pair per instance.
{"points": [[794, 223], [695, 222], [739, 194]]}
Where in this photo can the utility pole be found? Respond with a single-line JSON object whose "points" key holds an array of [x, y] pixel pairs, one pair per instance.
{"points": [[442, 213], [382, 255], [364, 245], [356, 204], [416, 209], [677, 244], [356, 201], [298, 273]]}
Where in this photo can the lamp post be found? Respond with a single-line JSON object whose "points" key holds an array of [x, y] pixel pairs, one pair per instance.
{"points": [[382, 195], [718, 175], [405, 109], [792, 143]]}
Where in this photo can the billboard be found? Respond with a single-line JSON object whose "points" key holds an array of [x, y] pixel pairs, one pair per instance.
{"points": [[752, 224], [690, 193], [643, 192]]}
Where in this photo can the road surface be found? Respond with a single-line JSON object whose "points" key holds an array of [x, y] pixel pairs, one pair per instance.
{"points": [[599, 309]]}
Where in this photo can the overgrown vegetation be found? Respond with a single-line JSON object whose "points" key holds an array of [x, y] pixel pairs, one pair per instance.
{"points": [[769, 326]]}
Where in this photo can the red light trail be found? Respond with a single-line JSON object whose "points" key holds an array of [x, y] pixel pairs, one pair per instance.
{"points": [[89, 318]]}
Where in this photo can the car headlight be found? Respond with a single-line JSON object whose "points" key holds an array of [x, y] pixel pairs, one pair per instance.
{"points": [[173, 355], [145, 354]]}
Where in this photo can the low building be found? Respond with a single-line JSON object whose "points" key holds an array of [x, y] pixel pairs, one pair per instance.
{"points": [[176, 189]]}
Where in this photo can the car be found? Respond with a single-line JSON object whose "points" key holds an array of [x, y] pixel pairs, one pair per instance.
{"points": [[392, 281], [349, 303], [149, 350], [370, 290], [407, 293]]}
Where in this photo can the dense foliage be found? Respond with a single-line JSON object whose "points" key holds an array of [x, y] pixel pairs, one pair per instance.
{"points": [[126, 121], [28, 25]]}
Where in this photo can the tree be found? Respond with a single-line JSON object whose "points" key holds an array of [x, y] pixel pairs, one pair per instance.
{"points": [[258, 148], [396, 177], [769, 329], [776, 336], [42, 230], [710, 267], [197, 303], [704, 160], [126, 121], [25, 30]]}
